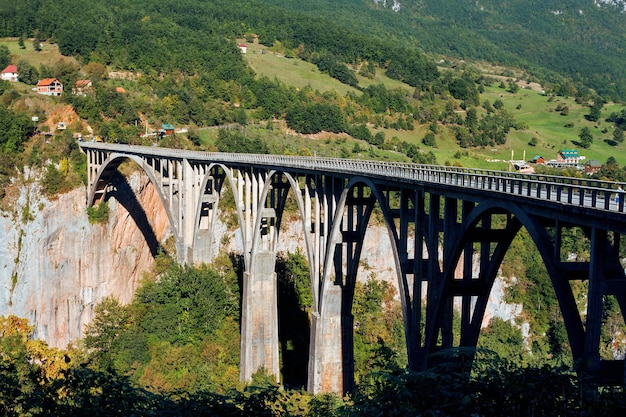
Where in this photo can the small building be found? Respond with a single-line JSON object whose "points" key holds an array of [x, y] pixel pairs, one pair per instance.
{"points": [[568, 156], [10, 73], [167, 128], [82, 88], [243, 48], [592, 166], [538, 159], [50, 87]]}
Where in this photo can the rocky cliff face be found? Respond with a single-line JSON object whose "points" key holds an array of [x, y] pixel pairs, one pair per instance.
{"points": [[55, 266]]}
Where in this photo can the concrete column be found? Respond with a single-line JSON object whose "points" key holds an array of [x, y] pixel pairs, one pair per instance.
{"points": [[330, 363], [259, 318]]}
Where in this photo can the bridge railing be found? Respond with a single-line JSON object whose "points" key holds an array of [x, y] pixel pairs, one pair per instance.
{"points": [[590, 193]]}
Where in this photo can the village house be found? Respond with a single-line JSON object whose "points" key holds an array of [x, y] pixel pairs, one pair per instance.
{"points": [[82, 88], [538, 159], [10, 73], [167, 128], [50, 87], [568, 156], [243, 48], [592, 166]]}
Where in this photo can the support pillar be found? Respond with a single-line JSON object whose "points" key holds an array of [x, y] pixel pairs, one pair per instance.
{"points": [[259, 318], [329, 370]]}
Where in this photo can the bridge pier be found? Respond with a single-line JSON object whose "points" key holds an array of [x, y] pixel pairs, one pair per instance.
{"points": [[331, 358], [259, 318]]}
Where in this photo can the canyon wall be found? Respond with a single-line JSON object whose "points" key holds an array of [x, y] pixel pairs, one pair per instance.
{"points": [[55, 266]]}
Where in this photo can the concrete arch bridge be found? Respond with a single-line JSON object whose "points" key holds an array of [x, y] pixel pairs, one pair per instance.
{"points": [[449, 229]]}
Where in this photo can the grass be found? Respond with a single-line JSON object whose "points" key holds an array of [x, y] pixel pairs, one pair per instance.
{"points": [[48, 55]]}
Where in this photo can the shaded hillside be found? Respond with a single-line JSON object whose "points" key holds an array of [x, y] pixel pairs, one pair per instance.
{"points": [[582, 40]]}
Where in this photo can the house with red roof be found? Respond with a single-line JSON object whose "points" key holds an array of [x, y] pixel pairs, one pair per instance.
{"points": [[50, 87], [82, 88], [10, 73]]}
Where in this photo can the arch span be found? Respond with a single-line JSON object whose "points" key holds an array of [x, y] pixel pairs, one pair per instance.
{"points": [[106, 173], [478, 230]]}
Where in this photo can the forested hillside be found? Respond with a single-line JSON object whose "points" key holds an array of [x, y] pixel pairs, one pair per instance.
{"points": [[400, 84], [577, 44]]}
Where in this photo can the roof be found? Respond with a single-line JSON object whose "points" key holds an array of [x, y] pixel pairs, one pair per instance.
{"points": [[47, 81], [167, 126], [83, 83], [569, 153], [594, 163], [10, 68], [536, 157]]}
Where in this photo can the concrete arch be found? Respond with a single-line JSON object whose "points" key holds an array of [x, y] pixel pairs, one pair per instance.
{"points": [[109, 168], [233, 186], [295, 187], [545, 247]]}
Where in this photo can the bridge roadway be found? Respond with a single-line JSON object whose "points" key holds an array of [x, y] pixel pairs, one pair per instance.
{"points": [[449, 229]]}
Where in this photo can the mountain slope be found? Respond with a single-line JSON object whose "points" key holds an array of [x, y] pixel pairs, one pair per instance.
{"points": [[584, 40]]}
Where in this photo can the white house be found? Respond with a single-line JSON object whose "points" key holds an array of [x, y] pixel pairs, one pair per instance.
{"points": [[10, 73]]}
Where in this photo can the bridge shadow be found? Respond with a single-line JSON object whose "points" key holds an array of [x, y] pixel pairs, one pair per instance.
{"points": [[125, 195], [294, 328]]}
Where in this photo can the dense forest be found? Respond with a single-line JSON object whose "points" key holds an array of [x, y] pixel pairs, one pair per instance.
{"points": [[175, 349]]}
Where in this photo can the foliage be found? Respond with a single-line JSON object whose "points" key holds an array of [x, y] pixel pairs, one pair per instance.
{"points": [[179, 334], [315, 117], [233, 141], [98, 214]]}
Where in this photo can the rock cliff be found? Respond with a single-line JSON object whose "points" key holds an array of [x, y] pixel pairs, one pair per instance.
{"points": [[55, 266]]}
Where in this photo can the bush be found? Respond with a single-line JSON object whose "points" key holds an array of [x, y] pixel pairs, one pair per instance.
{"points": [[98, 214]]}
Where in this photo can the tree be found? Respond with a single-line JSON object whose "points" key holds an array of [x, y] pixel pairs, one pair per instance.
{"points": [[28, 74], [595, 111], [96, 71], [5, 56], [618, 135], [429, 140], [586, 137]]}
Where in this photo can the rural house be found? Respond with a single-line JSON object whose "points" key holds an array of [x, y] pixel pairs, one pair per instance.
{"points": [[592, 166], [50, 87], [167, 128], [82, 88], [243, 48], [538, 159], [568, 156], [10, 73]]}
